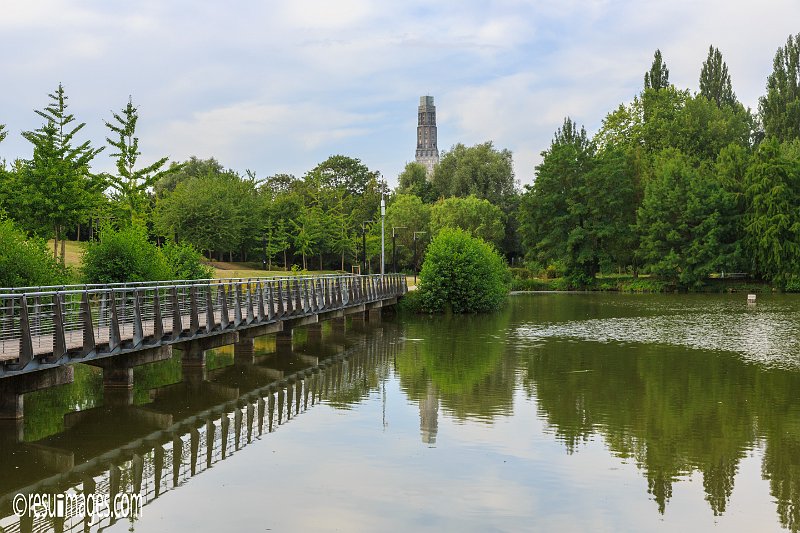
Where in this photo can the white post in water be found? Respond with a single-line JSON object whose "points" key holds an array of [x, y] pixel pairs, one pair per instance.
{"points": [[383, 216], [751, 298]]}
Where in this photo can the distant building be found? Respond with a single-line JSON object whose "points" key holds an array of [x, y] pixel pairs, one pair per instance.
{"points": [[427, 149]]}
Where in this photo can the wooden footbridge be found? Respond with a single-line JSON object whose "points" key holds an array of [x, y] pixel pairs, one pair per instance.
{"points": [[43, 330]]}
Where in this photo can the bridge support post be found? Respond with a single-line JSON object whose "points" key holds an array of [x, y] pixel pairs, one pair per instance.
{"points": [[244, 352], [374, 315], [283, 340], [13, 388], [314, 332], [11, 432], [118, 370], [339, 325]]}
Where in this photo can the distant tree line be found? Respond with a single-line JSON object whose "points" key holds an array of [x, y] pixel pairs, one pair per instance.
{"points": [[676, 184]]}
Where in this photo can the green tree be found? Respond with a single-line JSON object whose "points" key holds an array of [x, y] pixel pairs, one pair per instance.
{"points": [[130, 185], [547, 210], [680, 222], [308, 232], [658, 77], [3, 132], [476, 216], [479, 170], [405, 215], [771, 222], [414, 180], [56, 186], [212, 211], [180, 172], [715, 82], [780, 107]]}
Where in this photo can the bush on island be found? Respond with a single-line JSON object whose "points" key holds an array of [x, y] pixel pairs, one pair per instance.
{"points": [[26, 262], [124, 255], [462, 274]]}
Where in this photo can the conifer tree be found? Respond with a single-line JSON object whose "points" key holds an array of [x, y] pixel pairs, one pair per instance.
{"points": [[3, 132], [658, 77], [780, 107], [715, 82], [130, 185], [56, 182]]}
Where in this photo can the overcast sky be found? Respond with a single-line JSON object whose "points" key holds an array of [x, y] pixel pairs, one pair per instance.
{"points": [[280, 86]]}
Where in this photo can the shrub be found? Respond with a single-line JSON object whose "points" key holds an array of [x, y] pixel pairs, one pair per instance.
{"points": [[26, 262], [186, 262], [463, 274], [124, 255]]}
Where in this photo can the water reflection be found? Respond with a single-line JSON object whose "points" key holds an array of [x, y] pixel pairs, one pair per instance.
{"points": [[115, 446], [676, 385], [566, 388]]}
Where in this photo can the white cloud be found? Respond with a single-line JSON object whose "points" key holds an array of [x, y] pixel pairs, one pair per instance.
{"points": [[279, 86]]}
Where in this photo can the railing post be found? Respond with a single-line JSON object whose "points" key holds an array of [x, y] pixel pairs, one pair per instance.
{"points": [[25, 341], [194, 313], [323, 292], [298, 303], [138, 330], [286, 309], [114, 339], [237, 302], [270, 301], [177, 322], [251, 316], [224, 319], [158, 322], [211, 321], [88, 327], [260, 290], [308, 296], [59, 336], [351, 291]]}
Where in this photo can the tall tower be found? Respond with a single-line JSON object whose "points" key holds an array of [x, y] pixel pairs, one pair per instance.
{"points": [[427, 151]]}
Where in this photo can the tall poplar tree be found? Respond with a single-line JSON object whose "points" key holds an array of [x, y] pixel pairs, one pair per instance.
{"points": [[57, 185], [715, 82], [780, 107], [130, 185], [658, 77]]}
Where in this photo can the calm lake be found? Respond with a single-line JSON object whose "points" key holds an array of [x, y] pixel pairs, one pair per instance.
{"points": [[562, 412]]}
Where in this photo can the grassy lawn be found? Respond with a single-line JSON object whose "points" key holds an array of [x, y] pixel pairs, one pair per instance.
{"points": [[73, 250], [222, 269]]}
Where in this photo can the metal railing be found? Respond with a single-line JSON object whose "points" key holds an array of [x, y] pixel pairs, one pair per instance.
{"points": [[41, 328]]}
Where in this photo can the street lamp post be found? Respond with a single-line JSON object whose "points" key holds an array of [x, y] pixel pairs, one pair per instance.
{"points": [[383, 217], [415, 253]]}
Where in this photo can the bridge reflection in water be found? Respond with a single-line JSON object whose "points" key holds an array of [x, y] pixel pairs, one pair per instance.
{"points": [[187, 427]]}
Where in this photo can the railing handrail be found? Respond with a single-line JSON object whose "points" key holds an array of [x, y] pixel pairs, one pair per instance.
{"points": [[96, 288]]}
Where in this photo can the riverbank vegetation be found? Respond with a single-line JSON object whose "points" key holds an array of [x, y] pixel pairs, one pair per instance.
{"points": [[676, 189]]}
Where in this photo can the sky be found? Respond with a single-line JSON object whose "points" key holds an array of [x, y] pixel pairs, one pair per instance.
{"points": [[277, 87]]}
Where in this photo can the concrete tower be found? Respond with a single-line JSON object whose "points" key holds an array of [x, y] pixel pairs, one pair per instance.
{"points": [[427, 149]]}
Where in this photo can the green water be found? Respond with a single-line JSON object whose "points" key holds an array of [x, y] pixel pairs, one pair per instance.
{"points": [[562, 412]]}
